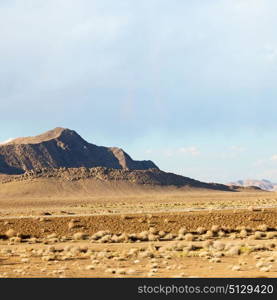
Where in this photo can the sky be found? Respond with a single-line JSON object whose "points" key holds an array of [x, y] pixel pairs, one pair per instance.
{"points": [[188, 84]]}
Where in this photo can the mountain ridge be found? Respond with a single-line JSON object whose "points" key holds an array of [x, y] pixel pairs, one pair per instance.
{"points": [[62, 147], [150, 177], [263, 184]]}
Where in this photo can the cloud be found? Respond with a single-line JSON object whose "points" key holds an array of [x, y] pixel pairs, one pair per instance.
{"points": [[274, 157], [259, 163], [271, 174], [169, 153], [266, 162], [7, 141], [174, 152], [233, 152], [148, 151], [270, 53], [194, 151], [238, 149]]}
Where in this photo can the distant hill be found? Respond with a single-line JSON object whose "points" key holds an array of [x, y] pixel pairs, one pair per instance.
{"points": [[262, 184], [67, 182], [62, 147], [146, 177]]}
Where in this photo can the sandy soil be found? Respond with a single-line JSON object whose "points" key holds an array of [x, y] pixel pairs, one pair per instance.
{"points": [[193, 234], [126, 199], [135, 223], [117, 260]]}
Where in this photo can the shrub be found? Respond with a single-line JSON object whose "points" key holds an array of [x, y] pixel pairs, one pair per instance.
{"points": [[79, 236], [262, 228], [235, 250], [162, 234], [182, 231], [236, 268], [152, 237], [105, 239], [243, 233], [201, 230], [265, 269], [122, 238], [207, 244], [143, 235], [10, 233], [215, 228], [169, 237], [71, 225], [189, 237], [52, 236], [271, 235], [219, 245], [208, 235], [221, 233], [153, 230], [258, 235]]}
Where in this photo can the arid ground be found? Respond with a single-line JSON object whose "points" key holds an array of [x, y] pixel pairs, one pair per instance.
{"points": [[140, 233]]}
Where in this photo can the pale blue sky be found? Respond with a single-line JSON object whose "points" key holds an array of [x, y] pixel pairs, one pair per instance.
{"points": [[188, 84]]}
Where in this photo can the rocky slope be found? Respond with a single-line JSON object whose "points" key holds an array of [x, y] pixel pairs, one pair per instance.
{"points": [[154, 177], [62, 148]]}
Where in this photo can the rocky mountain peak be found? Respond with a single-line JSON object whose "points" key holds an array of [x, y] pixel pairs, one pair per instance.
{"points": [[62, 147]]}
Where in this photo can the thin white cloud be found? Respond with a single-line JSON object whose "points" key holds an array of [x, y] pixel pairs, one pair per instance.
{"points": [[274, 157], [190, 150], [268, 174], [259, 163], [171, 152], [238, 149], [148, 151], [266, 161], [233, 152], [270, 52], [7, 141]]}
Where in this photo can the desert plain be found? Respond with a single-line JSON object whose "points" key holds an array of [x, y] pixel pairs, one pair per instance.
{"points": [[136, 232]]}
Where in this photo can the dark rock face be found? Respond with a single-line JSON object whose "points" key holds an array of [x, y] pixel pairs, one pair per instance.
{"points": [[6, 169], [60, 148]]}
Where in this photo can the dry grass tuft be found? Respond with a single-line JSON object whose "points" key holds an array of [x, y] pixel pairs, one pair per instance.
{"points": [[219, 245], [79, 236], [189, 237], [10, 233], [258, 235], [236, 268], [262, 228], [215, 229]]}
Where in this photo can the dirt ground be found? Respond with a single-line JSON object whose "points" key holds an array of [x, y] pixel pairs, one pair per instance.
{"points": [[134, 223], [171, 235], [121, 260]]}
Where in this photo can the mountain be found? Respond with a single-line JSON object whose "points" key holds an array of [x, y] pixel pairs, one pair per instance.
{"points": [[61, 158], [63, 147], [154, 177], [262, 184], [69, 183]]}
